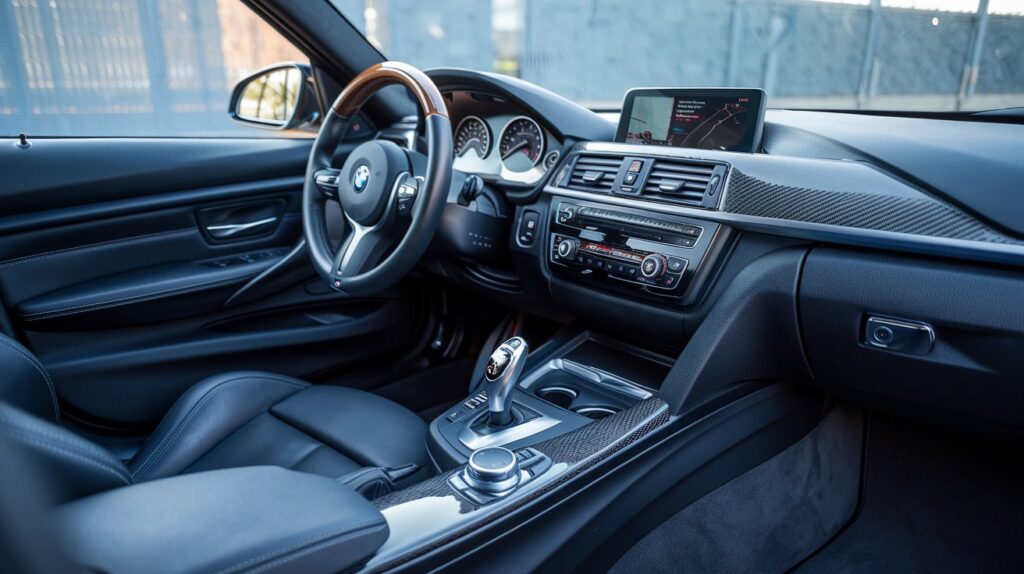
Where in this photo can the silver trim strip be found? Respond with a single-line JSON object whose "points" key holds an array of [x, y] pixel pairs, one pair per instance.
{"points": [[890, 240], [230, 229], [475, 440]]}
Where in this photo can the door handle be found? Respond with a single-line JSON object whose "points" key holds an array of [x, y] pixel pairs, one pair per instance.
{"points": [[227, 230]]}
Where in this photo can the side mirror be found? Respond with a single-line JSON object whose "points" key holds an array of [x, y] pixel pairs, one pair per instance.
{"points": [[279, 97]]}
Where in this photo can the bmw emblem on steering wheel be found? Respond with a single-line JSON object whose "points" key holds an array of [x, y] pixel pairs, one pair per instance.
{"points": [[360, 178]]}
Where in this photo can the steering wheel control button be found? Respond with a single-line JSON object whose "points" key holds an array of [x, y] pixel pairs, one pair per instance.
{"points": [[653, 266], [493, 469], [326, 181], [407, 191]]}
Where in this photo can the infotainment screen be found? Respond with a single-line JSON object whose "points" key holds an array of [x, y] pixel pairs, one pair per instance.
{"points": [[728, 119]]}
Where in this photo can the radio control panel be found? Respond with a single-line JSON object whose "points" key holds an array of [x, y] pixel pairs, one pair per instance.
{"points": [[653, 254]]}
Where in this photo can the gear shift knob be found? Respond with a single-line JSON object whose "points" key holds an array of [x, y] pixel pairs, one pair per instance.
{"points": [[500, 378]]}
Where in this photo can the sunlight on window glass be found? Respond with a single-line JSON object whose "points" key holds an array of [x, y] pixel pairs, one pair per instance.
{"points": [[115, 67]]}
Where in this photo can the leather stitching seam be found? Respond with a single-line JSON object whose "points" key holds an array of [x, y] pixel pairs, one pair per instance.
{"points": [[168, 438], [65, 450], [70, 250], [42, 371]]}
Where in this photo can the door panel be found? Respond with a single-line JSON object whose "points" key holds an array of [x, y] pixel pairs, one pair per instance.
{"points": [[118, 258]]}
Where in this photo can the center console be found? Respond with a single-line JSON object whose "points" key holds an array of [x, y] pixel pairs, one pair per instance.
{"points": [[524, 399]]}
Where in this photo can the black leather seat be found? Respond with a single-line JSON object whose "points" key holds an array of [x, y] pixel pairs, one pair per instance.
{"points": [[236, 419]]}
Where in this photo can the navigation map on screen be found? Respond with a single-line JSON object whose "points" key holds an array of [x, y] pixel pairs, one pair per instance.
{"points": [[707, 122]]}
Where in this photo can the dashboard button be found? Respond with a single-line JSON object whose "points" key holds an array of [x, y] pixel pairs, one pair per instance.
{"points": [[528, 227], [629, 179], [676, 265]]}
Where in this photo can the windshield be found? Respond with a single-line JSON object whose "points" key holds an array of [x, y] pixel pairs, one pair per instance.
{"points": [[904, 55]]}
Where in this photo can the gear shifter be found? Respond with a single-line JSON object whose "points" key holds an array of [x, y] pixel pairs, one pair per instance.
{"points": [[500, 378]]}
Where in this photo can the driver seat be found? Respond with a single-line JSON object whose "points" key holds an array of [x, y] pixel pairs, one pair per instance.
{"points": [[244, 418]]}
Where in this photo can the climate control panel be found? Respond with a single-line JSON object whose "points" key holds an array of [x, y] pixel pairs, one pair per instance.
{"points": [[651, 253]]}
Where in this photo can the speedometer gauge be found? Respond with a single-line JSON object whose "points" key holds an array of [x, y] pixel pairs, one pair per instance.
{"points": [[521, 144], [472, 135]]}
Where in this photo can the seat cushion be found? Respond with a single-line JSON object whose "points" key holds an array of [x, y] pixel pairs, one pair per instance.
{"points": [[255, 418], [369, 429]]}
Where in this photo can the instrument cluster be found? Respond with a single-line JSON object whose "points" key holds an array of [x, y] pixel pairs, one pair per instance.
{"points": [[498, 141]]}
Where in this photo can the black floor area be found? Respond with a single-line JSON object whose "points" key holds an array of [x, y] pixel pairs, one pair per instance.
{"points": [[431, 391], [932, 502]]}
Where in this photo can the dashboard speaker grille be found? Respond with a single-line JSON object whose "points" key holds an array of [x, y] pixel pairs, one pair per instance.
{"points": [[594, 173]]}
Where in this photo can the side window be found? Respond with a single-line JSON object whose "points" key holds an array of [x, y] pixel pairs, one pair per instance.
{"points": [[152, 68]]}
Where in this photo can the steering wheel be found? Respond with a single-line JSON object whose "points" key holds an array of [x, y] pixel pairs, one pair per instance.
{"points": [[390, 196]]}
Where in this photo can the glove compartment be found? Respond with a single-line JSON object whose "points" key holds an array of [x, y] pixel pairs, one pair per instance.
{"points": [[974, 365]]}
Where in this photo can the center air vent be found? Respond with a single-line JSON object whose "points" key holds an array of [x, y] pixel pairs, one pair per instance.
{"points": [[594, 173], [680, 181]]}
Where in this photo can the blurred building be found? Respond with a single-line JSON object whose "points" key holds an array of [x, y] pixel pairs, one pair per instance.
{"points": [[128, 67], [166, 67]]}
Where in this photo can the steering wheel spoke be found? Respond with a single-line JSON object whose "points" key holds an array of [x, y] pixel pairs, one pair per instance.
{"points": [[363, 249]]}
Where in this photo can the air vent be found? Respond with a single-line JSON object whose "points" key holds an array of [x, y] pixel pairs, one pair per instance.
{"points": [[594, 173], [680, 181]]}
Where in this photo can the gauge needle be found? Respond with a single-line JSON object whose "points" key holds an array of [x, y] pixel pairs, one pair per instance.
{"points": [[466, 146], [519, 145]]}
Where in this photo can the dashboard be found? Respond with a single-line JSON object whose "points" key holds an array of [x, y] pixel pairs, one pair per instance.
{"points": [[789, 256], [815, 177], [498, 140]]}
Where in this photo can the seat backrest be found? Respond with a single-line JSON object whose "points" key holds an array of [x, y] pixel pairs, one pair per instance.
{"points": [[24, 382], [71, 466]]}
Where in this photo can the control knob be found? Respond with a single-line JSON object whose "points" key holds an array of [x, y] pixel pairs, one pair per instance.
{"points": [[566, 214], [566, 248], [492, 469], [653, 266]]}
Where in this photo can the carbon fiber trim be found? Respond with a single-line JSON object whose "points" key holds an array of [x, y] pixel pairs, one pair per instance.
{"points": [[605, 436], [922, 215], [581, 449]]}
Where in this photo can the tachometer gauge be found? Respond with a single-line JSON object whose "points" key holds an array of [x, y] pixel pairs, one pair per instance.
{"points": [[472, 135], [521, 144]]}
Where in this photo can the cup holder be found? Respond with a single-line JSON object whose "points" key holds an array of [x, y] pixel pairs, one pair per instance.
{"points": [[559, 396], [596, 412]]}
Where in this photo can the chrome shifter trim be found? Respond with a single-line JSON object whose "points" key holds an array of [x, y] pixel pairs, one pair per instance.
{"points": [[475, 440], [502, 373]]}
